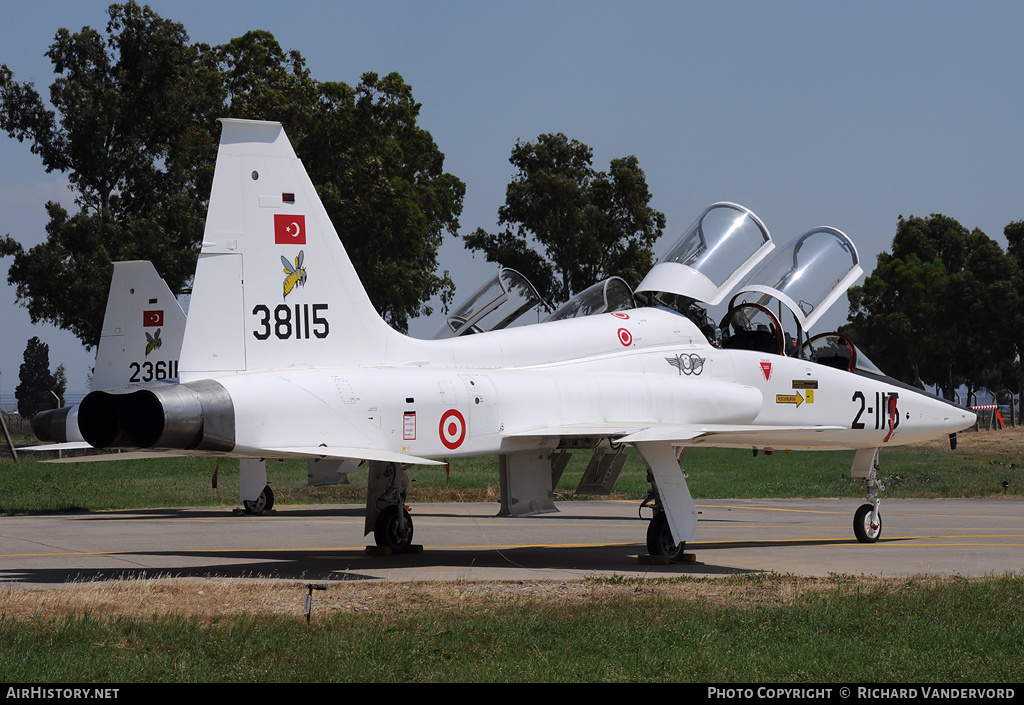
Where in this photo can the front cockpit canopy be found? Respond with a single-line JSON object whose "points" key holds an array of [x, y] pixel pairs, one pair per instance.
{"points": [[712, 256], [838, 351], [804, 278]]}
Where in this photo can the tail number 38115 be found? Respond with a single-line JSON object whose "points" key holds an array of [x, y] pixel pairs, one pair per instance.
{"points": [[291, 322]]}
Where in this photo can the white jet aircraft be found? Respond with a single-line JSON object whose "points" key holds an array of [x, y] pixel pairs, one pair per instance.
{"points": [[284, 356]]}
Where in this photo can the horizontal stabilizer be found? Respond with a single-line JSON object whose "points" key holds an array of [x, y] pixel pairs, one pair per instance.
{"points": [[132, 455], [275, 453], [70, 445]]}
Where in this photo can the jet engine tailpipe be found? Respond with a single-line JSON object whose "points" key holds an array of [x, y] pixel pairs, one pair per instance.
{"points": [[193, 416], [51, 424]]}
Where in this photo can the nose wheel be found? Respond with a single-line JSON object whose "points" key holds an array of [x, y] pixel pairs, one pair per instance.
{"points": [[867, 523]]}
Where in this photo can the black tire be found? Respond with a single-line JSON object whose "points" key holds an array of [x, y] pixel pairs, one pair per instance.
{"points": [[387, 531], [263, 503], [660, 541], [863, 528]]}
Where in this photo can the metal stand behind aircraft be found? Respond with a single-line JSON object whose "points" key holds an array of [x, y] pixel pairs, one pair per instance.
{"points": [[284, 356]]}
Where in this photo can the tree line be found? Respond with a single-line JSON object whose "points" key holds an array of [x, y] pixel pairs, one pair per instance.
{"points": [[943, 308]]}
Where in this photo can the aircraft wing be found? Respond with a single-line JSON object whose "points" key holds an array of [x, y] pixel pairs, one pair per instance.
{"points": [[579, 430], [738, 435], [731, 435]]}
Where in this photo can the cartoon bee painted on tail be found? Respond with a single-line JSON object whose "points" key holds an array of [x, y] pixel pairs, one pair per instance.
{"points": [[153, 341], [294, 275]]}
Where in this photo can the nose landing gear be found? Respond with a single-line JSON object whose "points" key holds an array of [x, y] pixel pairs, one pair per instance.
{"points": [[867, 522]]}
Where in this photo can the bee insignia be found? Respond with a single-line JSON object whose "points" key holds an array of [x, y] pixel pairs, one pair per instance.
{"points": [[294, 275], [153, 341]]}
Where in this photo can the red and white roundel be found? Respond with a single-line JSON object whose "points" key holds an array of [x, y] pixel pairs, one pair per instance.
{"points": [[623, 316], [452, 429], [625, 337]]}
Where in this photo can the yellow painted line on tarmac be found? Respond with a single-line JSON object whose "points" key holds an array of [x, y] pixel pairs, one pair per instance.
{"points": [[771, 509]]}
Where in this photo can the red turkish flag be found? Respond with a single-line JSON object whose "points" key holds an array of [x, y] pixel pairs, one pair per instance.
{"points": [[151, 319], [289, 229]]}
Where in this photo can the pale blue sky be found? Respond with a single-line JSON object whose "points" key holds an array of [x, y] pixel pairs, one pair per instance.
{"points": [[809, 113]]}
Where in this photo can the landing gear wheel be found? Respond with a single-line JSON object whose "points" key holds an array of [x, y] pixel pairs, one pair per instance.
{"points": [[867, 524], [391, 531], [263, 503], [660, 541]]}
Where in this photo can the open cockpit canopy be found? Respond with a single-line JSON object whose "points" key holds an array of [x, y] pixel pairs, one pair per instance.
{"points": [[807, 276], [712, 256]]}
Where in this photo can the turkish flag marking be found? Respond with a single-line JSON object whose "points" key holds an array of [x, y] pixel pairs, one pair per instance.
{"points": [[289, 229], [152, 318]]}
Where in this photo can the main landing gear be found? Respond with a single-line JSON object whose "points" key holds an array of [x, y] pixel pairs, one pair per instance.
{"points": [[393, 529], [670, 501], [263, 503], [660, 541], [386, 514]]}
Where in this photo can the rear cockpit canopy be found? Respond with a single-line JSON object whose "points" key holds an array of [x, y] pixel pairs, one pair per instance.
{"points": [[712, 256]]}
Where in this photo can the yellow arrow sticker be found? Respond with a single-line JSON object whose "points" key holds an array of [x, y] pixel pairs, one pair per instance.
{"points": [[789, 399]]}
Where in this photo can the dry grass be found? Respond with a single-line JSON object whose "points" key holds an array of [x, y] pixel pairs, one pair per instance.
{"points": [[1007, 441], [212, 599]]}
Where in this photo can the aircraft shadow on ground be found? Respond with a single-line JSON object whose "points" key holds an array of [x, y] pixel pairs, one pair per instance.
{"points": [[330, 564]]}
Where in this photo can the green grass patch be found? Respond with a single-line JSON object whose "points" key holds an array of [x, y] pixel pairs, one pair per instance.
{"points": [[32, 486], [902, 631]]}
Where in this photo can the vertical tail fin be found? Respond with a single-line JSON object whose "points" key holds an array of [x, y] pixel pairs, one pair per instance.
{"points": [[274, 288], [143, 327]]}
